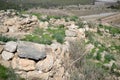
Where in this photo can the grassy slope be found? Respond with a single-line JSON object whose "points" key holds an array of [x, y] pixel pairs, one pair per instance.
{"points": [[55, 1], [6, 5], [51, 3]]}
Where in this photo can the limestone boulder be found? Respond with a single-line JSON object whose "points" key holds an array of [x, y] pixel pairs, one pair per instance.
{"points": [[54, 46], [13, 29], [70, 38], [81, 33], [15, 63], [7, 55], [31, 50], [36, 75], [46, 64], [10, 46], [43, 24], [5, 63], [4, 29], [70, 33], [9, 22], [72, 26], [23, 64]]}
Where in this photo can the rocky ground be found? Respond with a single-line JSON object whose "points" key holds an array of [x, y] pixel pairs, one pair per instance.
{"points": [[58, 48]]}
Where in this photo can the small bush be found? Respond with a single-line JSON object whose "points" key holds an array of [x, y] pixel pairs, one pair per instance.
{"points": [[73, 18], [55, 17], [6, 39], [37, 14], [8, 74], [47, 36], [38, 31], [46, 39], [80, 24], [98, 56], [109, 57]]}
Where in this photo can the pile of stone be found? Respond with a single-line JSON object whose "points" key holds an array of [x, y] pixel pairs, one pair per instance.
{"points": [[12, 21], [34, 61]]}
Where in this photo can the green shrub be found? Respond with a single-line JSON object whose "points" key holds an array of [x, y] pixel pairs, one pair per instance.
{"points": [[59, 34], [6, 39], [59, 37], [8, 74], [46, 39], [73, 18], [32, 38], [112, 30], [109, 57], [37, 14], [99, 32], [80, 24], [98, 56], [3, 72], [55, 17], [38, 31]]}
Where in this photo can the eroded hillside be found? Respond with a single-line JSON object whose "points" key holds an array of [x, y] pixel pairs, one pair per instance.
{"points": [[41, 47]]}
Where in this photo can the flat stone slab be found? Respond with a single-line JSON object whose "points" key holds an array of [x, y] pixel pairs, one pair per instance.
{"points": [[31, 50]]}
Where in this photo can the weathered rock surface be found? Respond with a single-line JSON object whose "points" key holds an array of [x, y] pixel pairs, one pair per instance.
{"points": [[35, 75], [11, 46], [3, 29], [23, 64], [7, 55], [70, 33], [46, 64], [26, 65], [73, 26], [31, 50], [5, 63], [1, 48]]}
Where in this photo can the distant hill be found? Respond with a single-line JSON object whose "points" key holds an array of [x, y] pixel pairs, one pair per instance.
{"points": [[8, 5], [49, 3]]}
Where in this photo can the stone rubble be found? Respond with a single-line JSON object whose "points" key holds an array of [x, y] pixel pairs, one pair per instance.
{"points": [[47, 67]]}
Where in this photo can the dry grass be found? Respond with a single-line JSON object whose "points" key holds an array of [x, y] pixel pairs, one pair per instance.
{"points": [[82, 68]]}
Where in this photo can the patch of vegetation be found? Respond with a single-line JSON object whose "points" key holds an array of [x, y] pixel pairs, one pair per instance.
{"points": [[80, 24], [112, 30], [109, 57], [73, 18], [100, 48], [6, 39], [37, 14], [47, 36], [4, 5], [8, 74], [82, 67]]}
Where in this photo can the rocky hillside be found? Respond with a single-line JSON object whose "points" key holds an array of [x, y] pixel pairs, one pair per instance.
{"points": [[40, 47]]}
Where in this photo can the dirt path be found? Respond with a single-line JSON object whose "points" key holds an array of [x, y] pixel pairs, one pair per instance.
{"points": [[97, 16], [112, 18]]}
